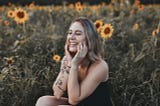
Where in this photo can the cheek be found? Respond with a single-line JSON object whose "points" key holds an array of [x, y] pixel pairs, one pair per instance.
{"points": [[67, 41], [82, 39]]}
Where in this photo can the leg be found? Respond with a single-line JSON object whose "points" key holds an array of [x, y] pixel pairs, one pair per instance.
{"points": [[51, 101]]}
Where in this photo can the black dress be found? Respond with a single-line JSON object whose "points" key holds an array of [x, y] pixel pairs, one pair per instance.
{"points": [[100, 97]]}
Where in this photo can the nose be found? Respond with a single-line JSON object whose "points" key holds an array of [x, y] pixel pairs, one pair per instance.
{"points": [[72, 36]]}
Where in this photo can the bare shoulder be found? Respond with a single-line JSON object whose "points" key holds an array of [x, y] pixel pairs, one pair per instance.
{"points": [[103, 65], [101, 69]]}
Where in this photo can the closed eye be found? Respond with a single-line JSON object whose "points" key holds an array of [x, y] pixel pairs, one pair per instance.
{"points": [[78, 32], [69, 32]]}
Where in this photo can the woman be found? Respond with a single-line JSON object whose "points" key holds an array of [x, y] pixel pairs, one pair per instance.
{"points": [[82, 80]]}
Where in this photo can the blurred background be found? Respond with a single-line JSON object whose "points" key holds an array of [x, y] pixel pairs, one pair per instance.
{"points": [[32, 37], [60, 2]]}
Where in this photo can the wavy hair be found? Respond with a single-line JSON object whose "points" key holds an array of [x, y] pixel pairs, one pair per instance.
{"points": [[93, 39]]}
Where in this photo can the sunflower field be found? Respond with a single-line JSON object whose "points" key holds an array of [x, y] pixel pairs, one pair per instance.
{"points": [[32, 41]]}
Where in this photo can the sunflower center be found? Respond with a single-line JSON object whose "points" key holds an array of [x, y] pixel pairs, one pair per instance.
{"points": [[97, 25], [156, 32], [107, 30], [11, 14], [20, 14], [9, 61]]}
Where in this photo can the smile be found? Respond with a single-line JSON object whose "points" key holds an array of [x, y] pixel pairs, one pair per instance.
{"points": [[73, 44]]}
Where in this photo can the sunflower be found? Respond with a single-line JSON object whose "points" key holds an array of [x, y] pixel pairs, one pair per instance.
{"points": [[9, 4], [79, 6], [21, 16], [106, 31], [56, 58], [31, 6], [136, 3], [135, 26], [94, 7], [79, 9], [9, 60], [121, 1], [132, 11], [71, 6], [140, 7], [98, 24], [6, 23], [113, 1], [155, 32], [11, 13], [2, 8]]}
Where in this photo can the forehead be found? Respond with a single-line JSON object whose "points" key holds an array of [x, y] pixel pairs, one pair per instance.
{"points": [[76, 26]]}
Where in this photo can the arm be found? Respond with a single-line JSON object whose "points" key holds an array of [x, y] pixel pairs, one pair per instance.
{"points": [[60, 85], [79, 91], [97, 73]]}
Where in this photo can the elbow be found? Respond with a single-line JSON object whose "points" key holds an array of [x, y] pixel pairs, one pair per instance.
{"points": [[58, 95], [73, 101]]}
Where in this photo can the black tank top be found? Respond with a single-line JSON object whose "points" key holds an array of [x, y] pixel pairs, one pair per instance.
{"points": [[100, 97]]}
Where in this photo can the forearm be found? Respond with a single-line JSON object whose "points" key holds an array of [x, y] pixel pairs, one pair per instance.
{"points": [[60, 82], [73, 84], [60, 85]]}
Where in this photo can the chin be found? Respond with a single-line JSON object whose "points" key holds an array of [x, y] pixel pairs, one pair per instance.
{"points": [[73, 50]]}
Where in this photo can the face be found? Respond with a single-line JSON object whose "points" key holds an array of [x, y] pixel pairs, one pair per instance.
{"points": [[75, 36]]}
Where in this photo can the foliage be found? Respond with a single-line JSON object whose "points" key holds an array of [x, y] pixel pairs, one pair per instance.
{"points": [[27, 68]]}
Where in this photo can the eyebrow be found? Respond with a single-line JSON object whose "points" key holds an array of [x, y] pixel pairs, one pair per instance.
{"points": [[76, 30]]}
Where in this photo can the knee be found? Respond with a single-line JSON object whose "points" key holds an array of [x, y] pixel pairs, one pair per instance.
{"points": [[43, 101]]}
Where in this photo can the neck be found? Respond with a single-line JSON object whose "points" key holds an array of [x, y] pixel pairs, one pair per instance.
{"points": [[85, 62]]}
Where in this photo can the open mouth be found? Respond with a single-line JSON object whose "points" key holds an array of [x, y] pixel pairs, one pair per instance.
{"points": [[71, 44]]}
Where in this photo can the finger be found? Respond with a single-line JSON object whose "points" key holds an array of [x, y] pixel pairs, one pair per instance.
{"points": [[79, 47], [84, 45], [66, 49]]}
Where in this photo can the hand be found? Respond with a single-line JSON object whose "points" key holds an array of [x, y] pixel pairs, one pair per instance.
{"points": [[68, 56], [57, 93], [64, 61], [81, 53]]}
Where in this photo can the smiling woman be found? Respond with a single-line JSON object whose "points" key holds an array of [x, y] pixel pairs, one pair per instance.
{"points": [[83, 76], [75, 37]]}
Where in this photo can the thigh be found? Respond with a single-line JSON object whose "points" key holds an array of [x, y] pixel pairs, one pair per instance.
{"points": [[51, 101]]}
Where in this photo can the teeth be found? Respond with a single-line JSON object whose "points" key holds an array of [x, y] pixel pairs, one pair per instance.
{"points": [[73, 43]]}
